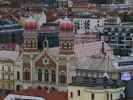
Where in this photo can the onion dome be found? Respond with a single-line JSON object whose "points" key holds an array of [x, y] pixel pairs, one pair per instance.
{"points": [[30, 24], [66, 25]]}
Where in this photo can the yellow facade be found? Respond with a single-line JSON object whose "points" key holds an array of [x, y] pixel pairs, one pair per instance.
{"points": [[7, 75], [94, 93]]}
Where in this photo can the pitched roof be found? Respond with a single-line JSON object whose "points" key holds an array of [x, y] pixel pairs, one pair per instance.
{"points": [[91, 49], [86, 49], [1, 98], [53, 95], [13, 55]]}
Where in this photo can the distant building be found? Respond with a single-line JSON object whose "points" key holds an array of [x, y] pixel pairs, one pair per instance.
{"points": [[112, 20], [10, 69], [119, 37], [11, 35], [49, 3], [129, 2], [86, 22], [53, 66], [62, 3], [92, 1]]}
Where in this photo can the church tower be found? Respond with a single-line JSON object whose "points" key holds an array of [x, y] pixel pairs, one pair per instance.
{"points": [[66, 37], [30, 35]]}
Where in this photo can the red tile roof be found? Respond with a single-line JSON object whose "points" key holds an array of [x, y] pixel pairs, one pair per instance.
{"points": [[1, 98], [11, 45], [53, 95]]}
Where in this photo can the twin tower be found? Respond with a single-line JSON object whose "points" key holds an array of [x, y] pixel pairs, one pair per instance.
{"points": [[66, 36]]}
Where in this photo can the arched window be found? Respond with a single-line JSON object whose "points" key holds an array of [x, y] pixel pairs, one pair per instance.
{"points": [[71, 94], [111, 97], [62, 78], [33, 44], [39, 75], [46, 75], [92, 96], [45, 44], [78, 92], [107, 96], [53, 76], [18, 75]]}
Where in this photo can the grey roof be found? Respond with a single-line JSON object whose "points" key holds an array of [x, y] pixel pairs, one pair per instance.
{"points": [[94, 63], [96, 82]]}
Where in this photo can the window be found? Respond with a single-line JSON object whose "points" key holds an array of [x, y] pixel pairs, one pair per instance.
{"points": [[18, 75], [31, 43], [71, 94], [18, 87], [34, 44], [107, 96], [46, 75], [53, 76], [26, 75], [77, 24], [3, 76], [45, 44], [67, 45], [26, 44], [92, 96], [78, 92], [39, 75], [62, 78], [111, 97]]}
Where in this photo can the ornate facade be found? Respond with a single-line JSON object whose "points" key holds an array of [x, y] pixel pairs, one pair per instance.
{"points": [[43, 68], [54, 66]]}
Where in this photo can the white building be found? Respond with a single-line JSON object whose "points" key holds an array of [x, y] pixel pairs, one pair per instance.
{"points": [[86, 23], [129, 2]]}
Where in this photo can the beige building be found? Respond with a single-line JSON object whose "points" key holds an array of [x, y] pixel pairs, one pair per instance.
{"points": [[10, 69], [93, 93], [95, 89]]}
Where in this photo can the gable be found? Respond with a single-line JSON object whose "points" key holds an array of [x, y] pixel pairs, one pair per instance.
{"points": [[44, 60]]}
